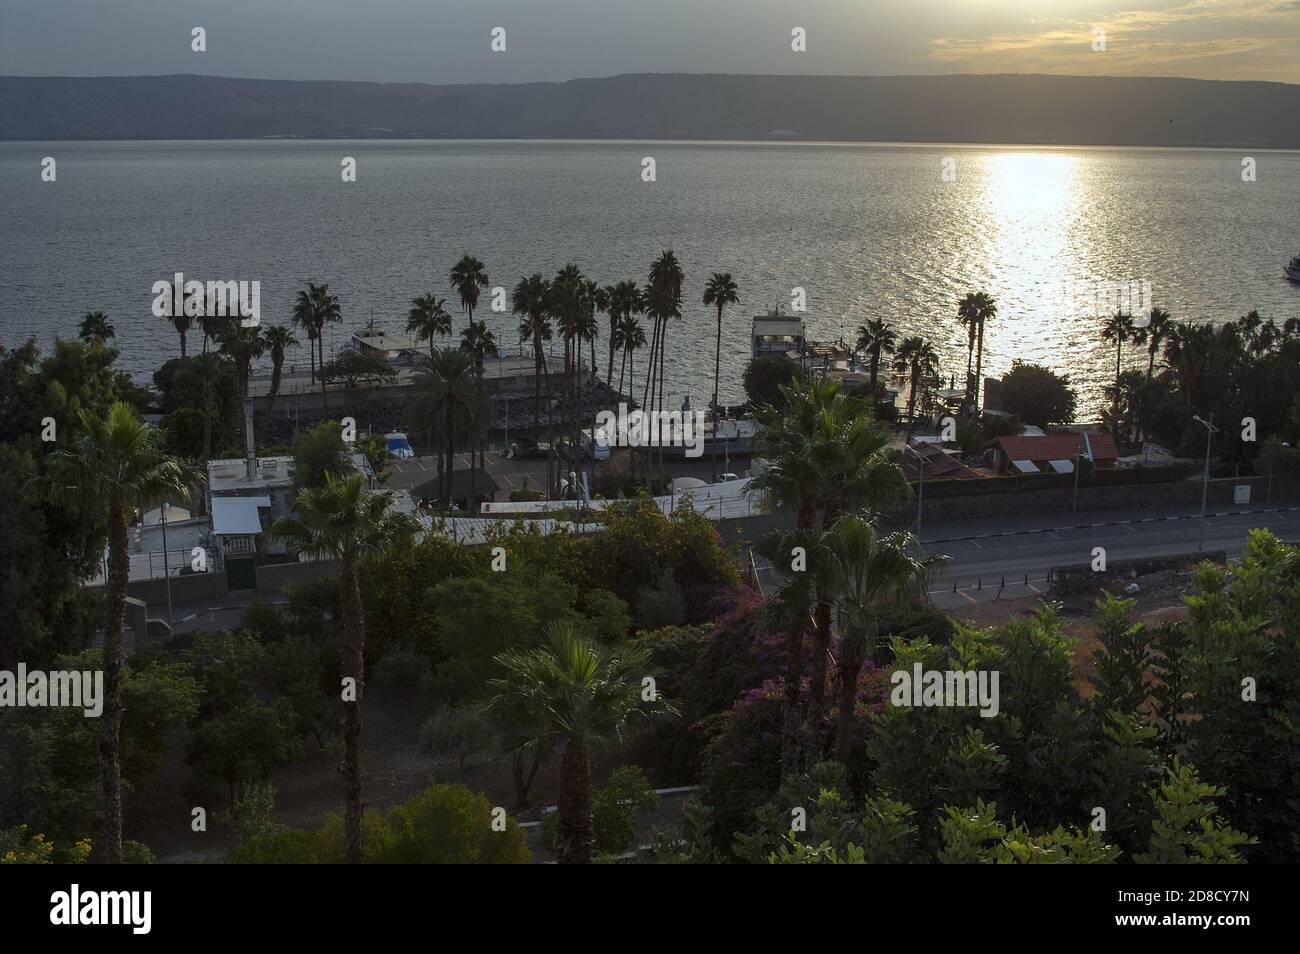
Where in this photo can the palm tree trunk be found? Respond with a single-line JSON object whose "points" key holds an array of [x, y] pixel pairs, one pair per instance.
{"points": [[790, 721], [111, 724], [979, 366], [207, 409], [576, 838], [183, 345], [851, 662], [311, 355], [353, 668], [275, 386]]}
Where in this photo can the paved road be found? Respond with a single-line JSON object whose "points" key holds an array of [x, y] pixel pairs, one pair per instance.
{"points": [[1019, 551]]}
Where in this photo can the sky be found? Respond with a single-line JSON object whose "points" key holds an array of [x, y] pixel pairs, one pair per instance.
{"points": [[449, 41]]}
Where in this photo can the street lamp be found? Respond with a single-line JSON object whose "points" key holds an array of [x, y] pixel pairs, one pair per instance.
{"points": [[167, 576], [1210, 431], [920, 494]]}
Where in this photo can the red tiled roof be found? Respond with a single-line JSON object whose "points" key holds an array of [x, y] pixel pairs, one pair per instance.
{"points": [[1057, 447]]}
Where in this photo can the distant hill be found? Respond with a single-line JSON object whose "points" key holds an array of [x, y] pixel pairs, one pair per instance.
{"points": [[976, 109]]}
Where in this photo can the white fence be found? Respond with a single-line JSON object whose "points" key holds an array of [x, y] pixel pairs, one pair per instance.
{"points": [[152, 566]]}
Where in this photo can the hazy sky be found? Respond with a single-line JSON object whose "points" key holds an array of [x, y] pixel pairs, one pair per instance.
{"points": [[447, 41]]}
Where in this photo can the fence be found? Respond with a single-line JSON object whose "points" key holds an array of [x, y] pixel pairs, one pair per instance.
{"points": [[154, 565]]}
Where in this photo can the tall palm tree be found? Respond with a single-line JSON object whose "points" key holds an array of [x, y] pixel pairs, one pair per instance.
{"points": [[448, 407], [210, 365], [870, 573], [663, 302], [789, 611], [1188, 350], [976, 308], [530, 300], [182, 323], [1117, 329], [95, 328], [1154, 335], [823, 451], [917, 359], [569, 303], [278, 340], [479, 343], [116, 465], [428, 317], [314, 308], [597, 304], [468, 277], [624, 301], [877, 338], [345, 522], [630, 337], [241, 345], [581, 695], [720, 291]]}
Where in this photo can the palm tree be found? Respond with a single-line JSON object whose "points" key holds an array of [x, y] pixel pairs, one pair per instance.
{"points": [[468, 276], [479, 343], [1188, 350], [918, 360], [597, 304], [877, 338], [529, 300], [278, 339], [209, 364], [241, 345], [182, 323], [789, 610], [580, 694], [870, 573], [316, 307], [428, 317], [720, 291], [663, 301], [974, 310], [624, 301], [824, 451], [569, 304], [449, 406], [95, 328], [345, 522], [1154, 334], [630, 336], [1118, 328], [116, 465]]}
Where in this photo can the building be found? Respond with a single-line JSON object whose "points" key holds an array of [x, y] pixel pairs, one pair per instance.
{"points": [[939, 464], [371, 340], [776, 334], [1052, 453]]}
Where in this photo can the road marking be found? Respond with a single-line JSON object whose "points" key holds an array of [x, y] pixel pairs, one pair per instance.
{"points": [[1034, 588], [1128, 528], [967, 595], [977, 546]]}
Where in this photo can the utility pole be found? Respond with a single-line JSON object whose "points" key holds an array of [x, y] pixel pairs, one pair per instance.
{"points": [[167, 576], [1210, 431]]}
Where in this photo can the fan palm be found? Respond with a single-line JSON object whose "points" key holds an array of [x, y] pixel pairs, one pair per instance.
{"points": [[115, 465], [579, 695], [529, 300], [468, 277], [1117, 329], [428, 317], [720, 291], [345, 522], [877, 338], [870, 572], [1154, 335], [917, 359], [449, 406], [974, 309], [241, 345], [624, 301], [278, 340], [95, 328]]}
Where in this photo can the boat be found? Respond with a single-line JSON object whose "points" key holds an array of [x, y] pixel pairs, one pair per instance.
{"points": [[1293, 269]]}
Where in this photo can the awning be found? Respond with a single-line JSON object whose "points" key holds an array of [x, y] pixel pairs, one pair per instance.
{"points": [[1025, 466], [237, 515]]}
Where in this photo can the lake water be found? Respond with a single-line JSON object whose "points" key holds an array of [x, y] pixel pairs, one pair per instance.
{"points": [[866, 230]]}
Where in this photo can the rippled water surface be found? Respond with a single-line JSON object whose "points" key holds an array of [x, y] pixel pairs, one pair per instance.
{"points": [[867, 230]]}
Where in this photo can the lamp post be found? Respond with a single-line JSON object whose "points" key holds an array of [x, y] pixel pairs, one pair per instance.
{"points": [[920, 494], [1210, 431], [167, 576]]}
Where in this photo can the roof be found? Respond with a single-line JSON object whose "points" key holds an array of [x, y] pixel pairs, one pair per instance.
{"points": [[382, 341], [938, 464], [237, 515], [777, 325], [232, 474], [460, 481], [1057, 447]]}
